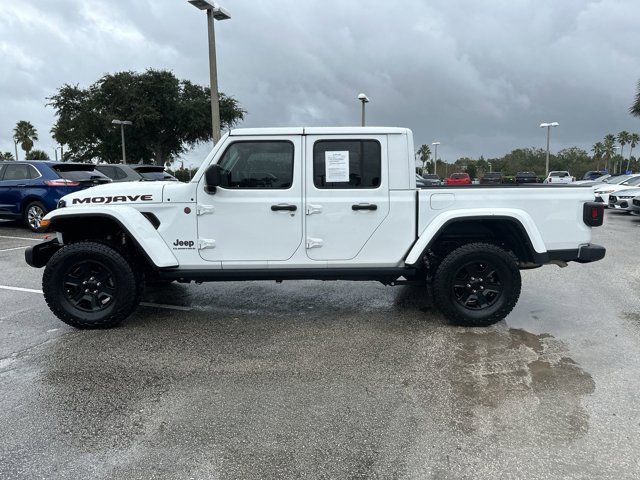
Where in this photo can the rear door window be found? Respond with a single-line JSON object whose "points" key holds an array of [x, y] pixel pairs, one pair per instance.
{"points": [[17, 172], [358, 161], [81, 174]]}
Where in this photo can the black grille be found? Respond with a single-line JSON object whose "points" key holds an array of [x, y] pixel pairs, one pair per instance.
{"points": [[599, 200]]}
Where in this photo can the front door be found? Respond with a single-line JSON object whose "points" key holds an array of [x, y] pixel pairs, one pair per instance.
{"points": [[347, 193], [259, 216]]}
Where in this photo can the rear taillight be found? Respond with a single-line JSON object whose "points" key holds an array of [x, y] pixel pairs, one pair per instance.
{"points": [[61, 182], [593, 214]]}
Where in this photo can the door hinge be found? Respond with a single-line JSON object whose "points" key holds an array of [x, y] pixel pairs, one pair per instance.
{"points": [[204, 209], [311, 209], [205, 243], [314, 242]]}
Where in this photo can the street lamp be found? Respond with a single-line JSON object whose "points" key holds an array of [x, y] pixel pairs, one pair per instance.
{"points": [[364, 99], [122, 123], [435, 157], [615, 159], [214, 12], [15, 145], [548, 127], [61, 153]]}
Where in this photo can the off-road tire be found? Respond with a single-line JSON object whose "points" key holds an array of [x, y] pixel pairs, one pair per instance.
{"points": [[127, 289], [505, 265]]}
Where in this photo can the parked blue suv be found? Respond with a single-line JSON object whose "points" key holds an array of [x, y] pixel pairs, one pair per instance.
{"points": [[31, 189]]}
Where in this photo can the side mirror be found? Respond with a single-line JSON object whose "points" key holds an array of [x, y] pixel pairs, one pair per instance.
{"points": [[215, 177]]}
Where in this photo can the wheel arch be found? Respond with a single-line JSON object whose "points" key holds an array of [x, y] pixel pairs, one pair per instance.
{"points": [[102, 222], [515, 230]]}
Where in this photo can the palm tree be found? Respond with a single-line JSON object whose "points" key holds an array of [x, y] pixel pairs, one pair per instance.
{"points": [[609, 148], [635, 108], [623, 139], [25, 134], [598, 150], [634, 139], [425, 154]]}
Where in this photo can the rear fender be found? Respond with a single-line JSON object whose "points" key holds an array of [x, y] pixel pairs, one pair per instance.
{"points": [[136, 225], [440, 222]]}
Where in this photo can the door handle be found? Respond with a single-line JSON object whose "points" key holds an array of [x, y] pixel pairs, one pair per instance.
{"points": [[287, 208], [364, 206], [22, 185]]}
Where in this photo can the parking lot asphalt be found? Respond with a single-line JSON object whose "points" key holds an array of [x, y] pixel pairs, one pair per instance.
{"points": [[327, 379]]}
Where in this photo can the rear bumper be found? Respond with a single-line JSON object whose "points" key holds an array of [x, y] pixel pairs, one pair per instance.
{"points": [[586, 253]]}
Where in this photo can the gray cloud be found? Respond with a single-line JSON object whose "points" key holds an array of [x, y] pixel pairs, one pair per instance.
{"points": [[478, 76]]}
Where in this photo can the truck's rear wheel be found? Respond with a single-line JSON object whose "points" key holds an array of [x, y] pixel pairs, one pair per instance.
{"points": [[477, 285], [90, 285]]}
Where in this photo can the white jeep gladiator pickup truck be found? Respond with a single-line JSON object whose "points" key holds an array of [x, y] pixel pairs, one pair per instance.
{"points": [[310, 203]]}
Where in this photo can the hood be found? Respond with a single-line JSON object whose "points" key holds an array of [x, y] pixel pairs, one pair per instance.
{"points": [[126, 193]]}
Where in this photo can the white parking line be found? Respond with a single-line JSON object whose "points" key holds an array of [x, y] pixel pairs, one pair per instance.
{"points": [[20, 289], [143, 304], [12, 249], [22, 238], [168, 307]]}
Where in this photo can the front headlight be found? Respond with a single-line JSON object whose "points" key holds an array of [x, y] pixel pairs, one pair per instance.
{"points": [[603, 192]]}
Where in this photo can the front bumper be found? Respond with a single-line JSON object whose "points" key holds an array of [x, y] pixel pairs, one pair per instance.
{"points": [[38, 255]]}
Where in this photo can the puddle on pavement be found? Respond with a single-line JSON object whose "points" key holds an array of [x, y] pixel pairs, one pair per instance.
{"points": [[516, 381]]}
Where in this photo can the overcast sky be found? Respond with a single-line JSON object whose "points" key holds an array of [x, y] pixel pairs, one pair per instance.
{"points": [[477, 76]]}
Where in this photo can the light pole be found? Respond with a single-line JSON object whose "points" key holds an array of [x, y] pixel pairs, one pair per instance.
{"points": [[15, 145], [214, 12], [435, 157], [615, 157], [61, 153], [122, 123], [364, 99], [548, 127]]}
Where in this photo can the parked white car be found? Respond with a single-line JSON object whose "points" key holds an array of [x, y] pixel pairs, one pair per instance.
{"points": [[602, 192], [622, 200], [559, 177]]}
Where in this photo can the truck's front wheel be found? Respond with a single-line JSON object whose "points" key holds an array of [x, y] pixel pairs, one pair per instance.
{"points": [[90, 285], [477, 285]]}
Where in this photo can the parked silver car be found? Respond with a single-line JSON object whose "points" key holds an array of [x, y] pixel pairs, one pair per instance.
{"points": [[622, 200]]}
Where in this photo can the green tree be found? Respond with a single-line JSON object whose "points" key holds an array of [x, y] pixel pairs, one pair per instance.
{"points": [[169, 116], [25, 134], [635, 108], [609, 149], [598, 151], [634, 139], [424, 152], [623, 138], [6, 156], [37, 155]]}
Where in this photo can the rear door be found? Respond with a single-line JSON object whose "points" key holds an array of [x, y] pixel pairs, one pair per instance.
{"points": [[347, 193]]}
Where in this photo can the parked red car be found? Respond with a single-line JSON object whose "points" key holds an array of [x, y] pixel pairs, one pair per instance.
{"points": [[459, 179]]}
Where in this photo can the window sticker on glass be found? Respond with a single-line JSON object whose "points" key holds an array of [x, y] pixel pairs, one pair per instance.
{"points": [[336, 166]]}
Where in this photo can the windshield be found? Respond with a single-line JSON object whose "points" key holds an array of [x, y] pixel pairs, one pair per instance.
{"points": [[559, 174], [459, 175], [492, 174], [632, 181], [431, 176], [156, 176], [81, 175], [617, 179]]}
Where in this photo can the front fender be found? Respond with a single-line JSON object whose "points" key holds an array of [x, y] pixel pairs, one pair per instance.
{"points": [[445, 218], [130, 220]]}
